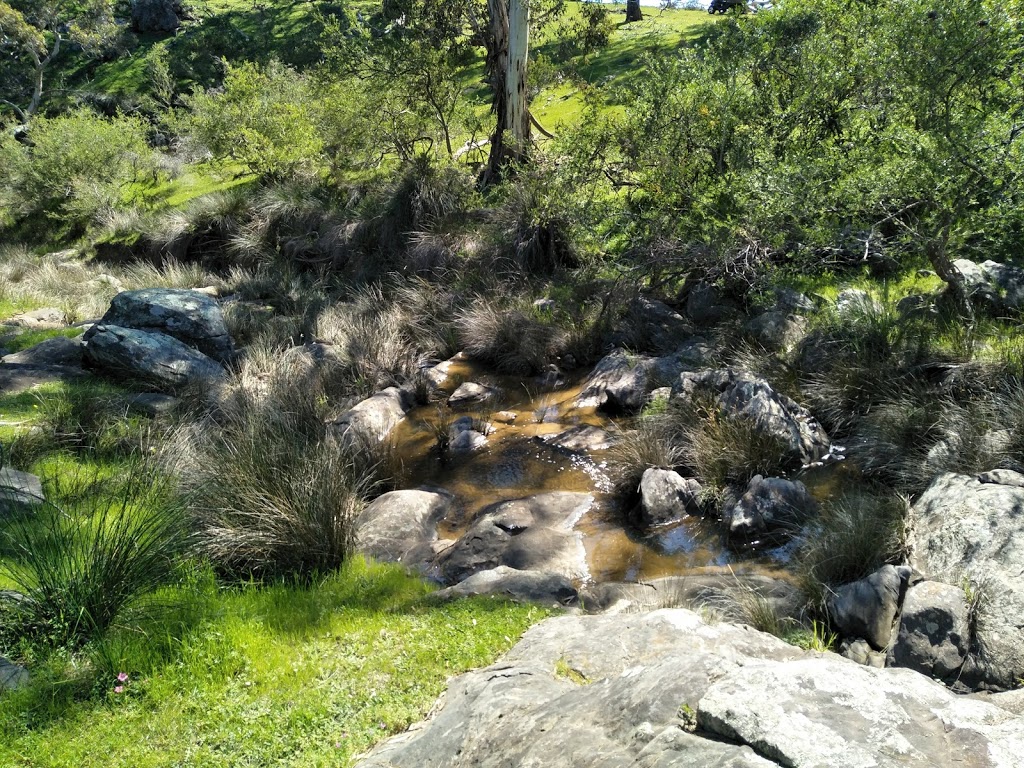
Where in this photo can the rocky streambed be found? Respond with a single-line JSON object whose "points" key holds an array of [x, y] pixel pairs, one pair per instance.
{"points": [[506, 491]]}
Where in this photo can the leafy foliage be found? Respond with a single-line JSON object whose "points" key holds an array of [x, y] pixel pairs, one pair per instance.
{"points": [[74, 166]]}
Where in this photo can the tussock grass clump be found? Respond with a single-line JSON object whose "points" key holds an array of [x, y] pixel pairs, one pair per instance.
{"points": [[728, 452], [372, 340], [654, 442], [202, 230], [171, 273], [82, 567], [855, 535], [270, 491], [55, 280], [873, 353], [744, 603], [509, 338], [699, 441], [910, 438], [276, 507]]}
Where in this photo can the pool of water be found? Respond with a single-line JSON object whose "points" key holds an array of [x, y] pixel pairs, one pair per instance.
{"points": [[516, 463]]}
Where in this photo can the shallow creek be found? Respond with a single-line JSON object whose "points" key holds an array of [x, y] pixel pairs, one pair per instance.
{"points": [[516, 463]]}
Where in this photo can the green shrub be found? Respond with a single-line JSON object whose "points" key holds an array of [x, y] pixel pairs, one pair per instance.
{"points": [[77, 165], [81, 567], [264, 119]]}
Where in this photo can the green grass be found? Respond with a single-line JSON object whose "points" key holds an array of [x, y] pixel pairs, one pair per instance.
{"points": [[280, 676], [827, 284], [15, 306], [195, 181], [16, 342], [617, 64]]}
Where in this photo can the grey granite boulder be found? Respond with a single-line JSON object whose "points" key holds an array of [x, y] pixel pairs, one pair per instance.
{"points": [[770, 505], [470, 393], [868, 608], [826, 712], [153, 358], [742, 395], [623, 382], [514, 584], [59, 350], [189, 316], [965, 532], [370, 421], [706, 306], [992, 285], [400, 526], [19, 490], [155, 16], [651, 324], [666, 496], [663, 689], [533, 533], [777, 330], [12, 676], [935, 631]]}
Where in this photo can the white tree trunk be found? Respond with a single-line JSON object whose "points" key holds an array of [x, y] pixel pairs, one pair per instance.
{"points": [[518, 116]]}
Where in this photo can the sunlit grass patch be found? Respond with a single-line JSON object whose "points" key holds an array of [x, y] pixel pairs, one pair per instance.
{"points": [[281, 675]]}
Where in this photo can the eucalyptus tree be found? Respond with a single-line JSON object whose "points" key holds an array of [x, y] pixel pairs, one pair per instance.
{"points": [[33, 34]]}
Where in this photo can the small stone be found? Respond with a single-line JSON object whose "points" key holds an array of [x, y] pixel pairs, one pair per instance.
{"points": [[152, 404], [19, 489], [12, 676], [470, 392], [467, 441]]}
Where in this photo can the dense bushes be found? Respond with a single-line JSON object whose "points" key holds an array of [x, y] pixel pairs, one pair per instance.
{"points": [[265, 119], [833, 132], [74, 166]]}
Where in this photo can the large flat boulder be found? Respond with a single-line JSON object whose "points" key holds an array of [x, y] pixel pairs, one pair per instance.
{"points": [[531, 534], [825, 712], [663, 688], [970, 534], [152, 358], [191, 317]]}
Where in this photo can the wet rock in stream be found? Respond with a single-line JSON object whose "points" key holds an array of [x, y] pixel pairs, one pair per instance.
{"points": [[533, 533]]}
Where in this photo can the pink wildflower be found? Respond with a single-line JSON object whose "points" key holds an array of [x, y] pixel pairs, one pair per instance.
{"points": [[122, 677], [118, 689]]}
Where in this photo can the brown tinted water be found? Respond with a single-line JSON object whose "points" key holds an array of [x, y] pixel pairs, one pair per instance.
{"points": [[516, 463]]}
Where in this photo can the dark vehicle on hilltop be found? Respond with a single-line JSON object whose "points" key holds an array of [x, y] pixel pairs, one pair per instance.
{"points": [[721, 6]]}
